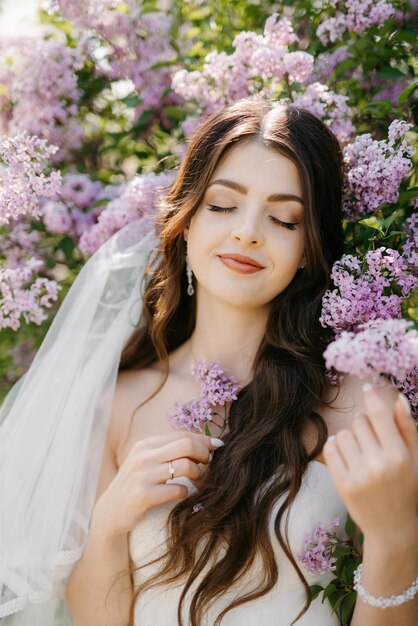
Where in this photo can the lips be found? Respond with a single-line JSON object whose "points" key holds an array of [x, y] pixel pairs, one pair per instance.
{"points": [[240, 264]]}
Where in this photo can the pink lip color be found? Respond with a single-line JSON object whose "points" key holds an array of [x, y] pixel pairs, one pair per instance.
{"points": [[242, 268]]}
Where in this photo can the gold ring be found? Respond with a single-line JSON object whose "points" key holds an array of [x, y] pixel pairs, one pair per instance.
{"points": [[170, 470]]}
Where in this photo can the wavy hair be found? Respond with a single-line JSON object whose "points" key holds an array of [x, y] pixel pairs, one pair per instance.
{"points": [[288, 374]]}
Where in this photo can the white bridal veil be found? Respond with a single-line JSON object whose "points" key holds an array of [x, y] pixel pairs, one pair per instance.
{"points": [[52, 430]]}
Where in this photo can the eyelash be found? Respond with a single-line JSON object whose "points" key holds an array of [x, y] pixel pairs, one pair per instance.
{"points": [[219, 209]]}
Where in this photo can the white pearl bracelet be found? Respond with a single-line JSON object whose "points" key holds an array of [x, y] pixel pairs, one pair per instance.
{"points": [[381, 602]]}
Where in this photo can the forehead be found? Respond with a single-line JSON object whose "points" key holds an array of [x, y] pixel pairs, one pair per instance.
{"points": [[259, 168]]}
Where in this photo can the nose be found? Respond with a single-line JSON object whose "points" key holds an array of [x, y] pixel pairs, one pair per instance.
{"points": [[247, 233]]}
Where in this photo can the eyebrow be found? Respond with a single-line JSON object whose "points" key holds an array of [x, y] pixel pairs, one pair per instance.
{"points": [[274, 197]]}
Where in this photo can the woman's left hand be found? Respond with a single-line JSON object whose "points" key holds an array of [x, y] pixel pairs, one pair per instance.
{"points": [[375, 467]]}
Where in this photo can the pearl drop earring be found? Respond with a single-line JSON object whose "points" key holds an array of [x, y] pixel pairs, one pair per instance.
{"points": [[190, 289]]}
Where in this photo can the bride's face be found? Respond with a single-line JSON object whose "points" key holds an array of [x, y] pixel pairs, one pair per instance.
{"points": [[252, 207]]}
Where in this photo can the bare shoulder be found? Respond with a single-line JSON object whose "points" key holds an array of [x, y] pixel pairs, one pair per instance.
{"points": [[133, 387], [346, 400]]}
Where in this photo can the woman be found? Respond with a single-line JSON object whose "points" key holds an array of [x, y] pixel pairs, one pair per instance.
{"points": [[256, 209]]}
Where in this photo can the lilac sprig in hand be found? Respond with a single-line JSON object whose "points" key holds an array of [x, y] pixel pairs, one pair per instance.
{"points": [[217, 389]]}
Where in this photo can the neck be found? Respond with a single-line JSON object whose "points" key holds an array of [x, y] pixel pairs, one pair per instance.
{"points": [[228, 334]]}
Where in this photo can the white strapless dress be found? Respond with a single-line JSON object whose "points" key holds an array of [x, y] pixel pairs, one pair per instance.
{"points": [[316, 501]]}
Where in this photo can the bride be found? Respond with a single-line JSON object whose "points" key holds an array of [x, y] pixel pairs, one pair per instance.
{"points": [[204, 529]]}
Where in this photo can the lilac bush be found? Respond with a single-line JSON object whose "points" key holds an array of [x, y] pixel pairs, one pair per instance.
{"points": [[39, 76], [364, 290], [261, 66], [138, 200], [17, 300], [24, 160], [353, 15], [375, 169], [136, 43]]}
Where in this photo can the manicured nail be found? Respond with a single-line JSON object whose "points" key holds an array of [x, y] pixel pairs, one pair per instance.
{"points": [[210, 457], [405, 404], [367, 387], [217, 443], [331, 438]]}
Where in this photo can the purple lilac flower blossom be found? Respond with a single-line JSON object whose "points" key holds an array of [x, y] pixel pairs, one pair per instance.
{"points": [[42, 94], [360, 293], [355, 16], [192, 414], [79, 190], [138, 202], [17, 300], [134, 43], [379, 350], [217, 388], [23, 178], [374, 170], [256, 67], [332, 108], [316, 556], [19, 244], [410, 249]]}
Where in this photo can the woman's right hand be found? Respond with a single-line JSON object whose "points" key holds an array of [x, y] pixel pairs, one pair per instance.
{"points": [[140, 483]]}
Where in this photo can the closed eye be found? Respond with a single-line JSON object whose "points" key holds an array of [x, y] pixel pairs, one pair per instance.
{"points": [[220, 209], [288, 225]]}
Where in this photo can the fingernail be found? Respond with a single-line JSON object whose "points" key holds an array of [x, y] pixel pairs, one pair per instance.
{"points": [[367, 387], [210, 456], [405, 404], [217, 443], [331, 438]]}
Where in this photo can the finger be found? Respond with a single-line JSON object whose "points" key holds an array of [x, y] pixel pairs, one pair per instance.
{"points": [[381, 415], [348, 448], [406, 424], [181, 467], [184, 447], [165, 493], [335, 461], [160, 440], [365, 435]]}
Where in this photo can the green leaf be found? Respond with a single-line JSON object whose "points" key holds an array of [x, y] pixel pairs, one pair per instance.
{"points": [[101, 202], [207, 431], [329, 589], [407, 195], [350, 527], [342, 67], [404, 95], [372, 222], [131, 100], [392, 217], [413, 313], [67, 246], [145, 117], [390, 72], [347, 607], [175, 113], [405, 35], [315, 590]]}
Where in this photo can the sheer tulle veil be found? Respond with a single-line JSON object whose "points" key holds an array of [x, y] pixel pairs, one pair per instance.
{"points": [[53, 425]]}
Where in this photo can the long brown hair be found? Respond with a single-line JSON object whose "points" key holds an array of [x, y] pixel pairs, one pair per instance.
{"points": [[271, 412]]}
